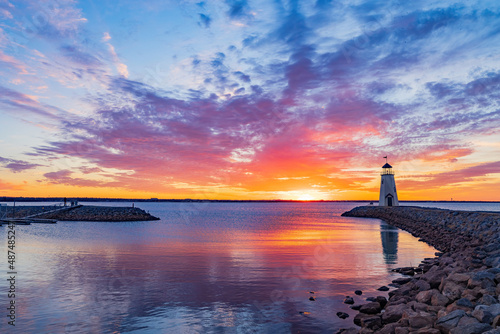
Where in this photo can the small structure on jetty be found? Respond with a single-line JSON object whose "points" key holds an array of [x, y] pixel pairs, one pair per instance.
{"points": [[388, 194]]}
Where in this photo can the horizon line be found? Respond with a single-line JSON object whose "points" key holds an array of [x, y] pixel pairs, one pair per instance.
{"points": [[153, 199]]}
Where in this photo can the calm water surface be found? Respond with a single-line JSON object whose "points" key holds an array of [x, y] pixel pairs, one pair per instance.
{"points": [[203, 268]]}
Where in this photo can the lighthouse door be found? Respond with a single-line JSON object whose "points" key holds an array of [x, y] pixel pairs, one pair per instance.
{"points": [[389, 201]]}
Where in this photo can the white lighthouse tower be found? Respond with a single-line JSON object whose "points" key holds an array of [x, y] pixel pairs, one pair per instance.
{"points": [[388, 194]]}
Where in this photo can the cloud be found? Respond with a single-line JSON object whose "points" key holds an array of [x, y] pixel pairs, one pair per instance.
{"points": [[106, 37], [459, 176], [13, 63], [238, 9], [64, 177], [17, 165], [22, 102], [205, 20], [76, 55]]}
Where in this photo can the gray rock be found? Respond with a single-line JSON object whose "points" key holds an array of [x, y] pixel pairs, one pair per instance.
{"points": [[481, 275], [388, 329], [342, 315], [493, 261], [449, 321], [464, 302], [358, 292], [401, 330], [425, 296], [494, 309], [488, 300], [461, 278], [476, 328], [372, 322], [370, 308], [422, 285], [381, 300], [401, 280], [426, 331], [483, 316], [383, 288], [452, 290], [361, 318], [348, 300], [351, 330], [420, 321], [393, 313], [467, 320], [438, 299], [493, 331]]}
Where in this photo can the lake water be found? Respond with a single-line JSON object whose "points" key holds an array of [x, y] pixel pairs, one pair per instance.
{"points": [[204, 268]]}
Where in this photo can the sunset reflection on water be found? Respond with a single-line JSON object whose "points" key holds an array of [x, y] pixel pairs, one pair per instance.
{"points": [[226, 267]]}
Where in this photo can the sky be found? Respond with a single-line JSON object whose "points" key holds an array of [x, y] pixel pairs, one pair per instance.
{"points": [[240, 99]]}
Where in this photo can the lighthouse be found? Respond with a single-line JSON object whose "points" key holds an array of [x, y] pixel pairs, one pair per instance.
{"points": [[388, 194]]}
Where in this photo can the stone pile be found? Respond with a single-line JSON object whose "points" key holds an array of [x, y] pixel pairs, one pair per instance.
{"points": [[101, 213], [21, 211], [457, 292]]}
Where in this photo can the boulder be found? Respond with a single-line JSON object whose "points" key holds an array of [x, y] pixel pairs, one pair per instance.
{"points": [[401, 330], [452, 290], [438, 299], [494, 309], [476, 328], [401, 280], [351, 330], [464, 302], [460, 278], [348, 300], [370, 308], [493, 331], [434, 276], [417, 307], [447, 322], [393, 313], [488, 300], [422, 285], [342, 315], [368, 321], [425, 296], [381, 300], [483, 316], [426, 331], [388, 329], [421, 321]]}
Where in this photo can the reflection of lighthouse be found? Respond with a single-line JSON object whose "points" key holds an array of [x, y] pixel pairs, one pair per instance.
{"points": [[389, 236], [388, 194]]}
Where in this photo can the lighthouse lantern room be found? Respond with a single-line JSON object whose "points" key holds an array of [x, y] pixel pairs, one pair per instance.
{"points": [[388, 194]]}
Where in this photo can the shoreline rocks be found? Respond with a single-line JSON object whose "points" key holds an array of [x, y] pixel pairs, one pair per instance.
{"points": [[86, 213], [455, 292]]}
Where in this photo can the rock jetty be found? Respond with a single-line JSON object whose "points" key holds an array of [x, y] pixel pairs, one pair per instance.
{"points": [[456, 292], [22, 211], [92, 213]]}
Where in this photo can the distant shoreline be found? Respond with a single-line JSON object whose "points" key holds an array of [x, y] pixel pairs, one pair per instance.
{"points": [[94, 199]]}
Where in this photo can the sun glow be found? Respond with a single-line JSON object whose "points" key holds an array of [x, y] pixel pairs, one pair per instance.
{"points": [[306, 197]]}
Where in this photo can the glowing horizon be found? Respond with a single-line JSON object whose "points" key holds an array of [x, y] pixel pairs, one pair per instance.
{"points": [[244, 99]]}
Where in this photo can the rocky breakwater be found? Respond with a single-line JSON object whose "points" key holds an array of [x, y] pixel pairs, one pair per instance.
{"points": [[101, 213], [456, 292]]}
